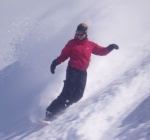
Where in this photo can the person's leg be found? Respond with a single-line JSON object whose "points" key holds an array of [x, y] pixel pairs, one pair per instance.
{"points": [[80, 86], [63, 100]]}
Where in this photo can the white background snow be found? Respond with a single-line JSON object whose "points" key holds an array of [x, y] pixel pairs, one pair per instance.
{"points": [[116, 102]]}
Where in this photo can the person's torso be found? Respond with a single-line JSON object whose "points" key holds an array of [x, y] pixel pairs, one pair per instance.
{"points": [[80, 54]]}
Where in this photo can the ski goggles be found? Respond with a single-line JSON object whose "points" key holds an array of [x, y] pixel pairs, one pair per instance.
{"points": [[79, 33]]}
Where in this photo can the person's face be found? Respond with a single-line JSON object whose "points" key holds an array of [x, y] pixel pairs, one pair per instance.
{"points": [[80, 35]]}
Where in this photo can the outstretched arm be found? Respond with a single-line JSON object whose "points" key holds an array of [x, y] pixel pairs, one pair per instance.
{"points": [[65, 53], [99, 50], [63, 56]]}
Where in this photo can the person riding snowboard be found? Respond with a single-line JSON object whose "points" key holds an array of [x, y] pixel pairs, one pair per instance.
{"points": [[79, 51]]}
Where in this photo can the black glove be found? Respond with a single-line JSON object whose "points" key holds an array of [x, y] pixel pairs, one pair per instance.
{"points": [[53, 66], [113, 46]]}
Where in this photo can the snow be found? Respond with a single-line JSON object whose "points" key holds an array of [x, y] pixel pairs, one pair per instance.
{"points": [[116, 102]]}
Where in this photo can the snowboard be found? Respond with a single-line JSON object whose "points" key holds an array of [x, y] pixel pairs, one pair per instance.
{"points": [[43, 122]]}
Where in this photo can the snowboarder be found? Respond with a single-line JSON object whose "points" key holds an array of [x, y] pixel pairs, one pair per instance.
{"points": [[79, 51]]}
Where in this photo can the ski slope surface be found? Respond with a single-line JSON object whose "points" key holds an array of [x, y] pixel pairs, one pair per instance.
{"points": [[116, 102]]}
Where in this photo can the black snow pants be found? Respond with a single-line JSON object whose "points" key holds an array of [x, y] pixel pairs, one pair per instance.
{"points": [[72, 91]]}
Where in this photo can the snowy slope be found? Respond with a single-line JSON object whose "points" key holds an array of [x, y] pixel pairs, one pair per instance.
{"points": [[116, 103]]}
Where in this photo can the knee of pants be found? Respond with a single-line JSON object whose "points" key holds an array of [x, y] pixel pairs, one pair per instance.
{"points": [[76, 98]]}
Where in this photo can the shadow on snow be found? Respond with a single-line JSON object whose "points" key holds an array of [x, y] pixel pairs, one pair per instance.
{"points": [[19, 87]]}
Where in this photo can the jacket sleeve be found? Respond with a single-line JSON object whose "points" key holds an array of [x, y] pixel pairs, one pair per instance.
{"points": [[99, 50], [65, 53]]}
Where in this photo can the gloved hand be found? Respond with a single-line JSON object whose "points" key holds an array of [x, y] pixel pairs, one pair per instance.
{"points": [[113, 46], [53, 66]]}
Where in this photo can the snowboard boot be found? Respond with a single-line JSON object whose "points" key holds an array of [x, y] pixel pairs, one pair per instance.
{"points": [[50, 116]]}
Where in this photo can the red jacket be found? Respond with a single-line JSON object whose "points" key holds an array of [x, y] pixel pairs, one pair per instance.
{"points": [[80, 53]]}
